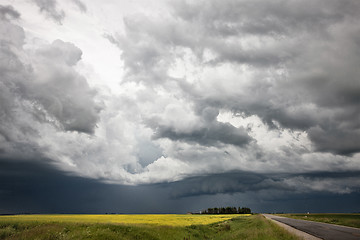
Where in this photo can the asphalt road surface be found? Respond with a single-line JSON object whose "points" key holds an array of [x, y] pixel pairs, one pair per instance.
{"points": [[321, 230]]}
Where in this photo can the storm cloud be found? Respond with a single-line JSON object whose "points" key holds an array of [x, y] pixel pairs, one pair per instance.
{"points": [[8, 11], [206, 131], [35, 187], [241, 182], [284, 62], [189, 99], [49, 7], [41, 90]]}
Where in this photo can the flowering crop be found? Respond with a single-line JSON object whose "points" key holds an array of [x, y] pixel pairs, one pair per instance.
{"points": [[152, 219]]}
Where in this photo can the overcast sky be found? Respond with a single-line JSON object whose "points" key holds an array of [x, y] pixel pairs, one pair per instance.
{"points": [[179, 105]]}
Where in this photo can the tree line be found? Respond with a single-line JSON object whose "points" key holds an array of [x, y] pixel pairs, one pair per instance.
{"points": [[227, 210]]}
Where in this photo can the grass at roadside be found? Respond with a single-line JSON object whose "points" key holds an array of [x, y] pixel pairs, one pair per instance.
{"points": [[345, 219], [249, 227]]}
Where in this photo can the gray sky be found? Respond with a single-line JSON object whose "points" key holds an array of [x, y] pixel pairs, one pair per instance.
{"points": [[218, 102]]}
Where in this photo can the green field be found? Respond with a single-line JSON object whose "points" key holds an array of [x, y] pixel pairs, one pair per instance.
{"points": [[72, 227], [350, 220]]}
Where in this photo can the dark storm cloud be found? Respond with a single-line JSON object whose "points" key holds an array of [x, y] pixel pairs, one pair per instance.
{"points": [[65, 94], [316, 44], [51, 10], [211, 132], [8, 11], [220, 183], [224, 24], [303, 57], [261, 17], [40, 89], [243, 182], [35, 187], [50, 82], [211, 135], [332, 139], [80, 5]]}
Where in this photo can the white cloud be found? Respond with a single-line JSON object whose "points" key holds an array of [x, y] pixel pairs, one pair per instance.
{"points": [[142, 92]]}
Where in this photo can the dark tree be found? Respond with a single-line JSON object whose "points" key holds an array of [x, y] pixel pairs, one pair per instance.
{"points": [[227, 210]]}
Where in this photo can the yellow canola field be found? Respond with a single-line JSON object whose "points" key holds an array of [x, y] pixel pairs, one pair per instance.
{"points": [[153, 219]]}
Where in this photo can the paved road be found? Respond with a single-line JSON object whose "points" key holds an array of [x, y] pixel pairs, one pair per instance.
{"points": [[321, 230]]}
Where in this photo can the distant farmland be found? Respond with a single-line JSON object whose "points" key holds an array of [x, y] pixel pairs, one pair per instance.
{"points": [[345, 219], [171, 226], [147, 219]]}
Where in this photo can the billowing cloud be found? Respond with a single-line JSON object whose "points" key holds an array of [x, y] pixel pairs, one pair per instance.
{"points": [[41, 90], [283, 62], [63, 92], [210, 97], [8, 11], [206, 130], [80, 5], [234, 182], [49, 7]]}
